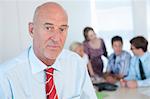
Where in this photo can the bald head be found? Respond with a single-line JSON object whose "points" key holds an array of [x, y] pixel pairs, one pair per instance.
{"points": [[51, 8]]}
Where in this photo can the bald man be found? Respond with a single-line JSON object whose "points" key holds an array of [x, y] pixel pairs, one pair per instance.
{"points": [[45, 70]]}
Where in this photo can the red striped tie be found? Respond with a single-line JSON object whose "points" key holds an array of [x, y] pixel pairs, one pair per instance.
{"points": [[50, 86]]}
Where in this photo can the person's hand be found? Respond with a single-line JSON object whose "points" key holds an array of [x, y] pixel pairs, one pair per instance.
{"points": [[110, 79], [94, 78], [132, 84], [123, 82]]}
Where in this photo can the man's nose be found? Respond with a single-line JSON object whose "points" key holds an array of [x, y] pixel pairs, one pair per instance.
{"points": [[56, 35]]}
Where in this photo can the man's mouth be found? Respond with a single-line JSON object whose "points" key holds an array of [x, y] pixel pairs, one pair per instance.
{"points": [[53, 46]]}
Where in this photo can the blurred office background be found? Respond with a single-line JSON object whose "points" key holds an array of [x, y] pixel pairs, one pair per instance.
{"points": [[126, 18]]}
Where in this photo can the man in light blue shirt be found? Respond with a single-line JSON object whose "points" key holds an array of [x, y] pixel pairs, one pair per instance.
{"points": [[24, 76], [139, 72], [118, 62]]}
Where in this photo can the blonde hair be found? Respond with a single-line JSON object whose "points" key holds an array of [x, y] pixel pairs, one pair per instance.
{"points": [[74, 45]]}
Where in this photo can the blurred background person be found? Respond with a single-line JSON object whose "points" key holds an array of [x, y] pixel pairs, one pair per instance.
{"points": [[78, 48], [118, 61], [139, 72], [94, 47]]}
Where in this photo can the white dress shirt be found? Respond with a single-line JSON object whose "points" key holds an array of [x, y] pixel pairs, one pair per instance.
{"points": [[85, 59], [24, 77]]}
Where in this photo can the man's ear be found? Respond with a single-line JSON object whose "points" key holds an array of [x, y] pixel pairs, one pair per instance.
{"points": [[31, 29]]}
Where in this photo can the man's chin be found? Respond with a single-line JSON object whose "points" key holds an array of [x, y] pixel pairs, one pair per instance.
{"points": [[118, 53], [51, 56]]}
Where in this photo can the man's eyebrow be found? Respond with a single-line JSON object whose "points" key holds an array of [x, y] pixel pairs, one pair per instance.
{"points": [[53, 24], [48, 24], [65, 25]]}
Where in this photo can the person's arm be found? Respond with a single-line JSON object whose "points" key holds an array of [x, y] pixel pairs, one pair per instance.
{"points": [[134, 82], [104, 49], [109, 64], [108, 76], [143, 83], [125, 63], [137, 83], [131, 77], [131, 72], [5, 91], [88, 91], [90, 69]]}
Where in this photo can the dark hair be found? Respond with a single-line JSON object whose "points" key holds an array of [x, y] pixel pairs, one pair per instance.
{"points": [[85, 32], [116, 38], [139, 42]]}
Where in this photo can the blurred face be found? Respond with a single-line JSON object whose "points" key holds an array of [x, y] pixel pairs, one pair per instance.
{"points": [[117, 47], [49, 31], [134, 50], [91, 35], [79, 50]]}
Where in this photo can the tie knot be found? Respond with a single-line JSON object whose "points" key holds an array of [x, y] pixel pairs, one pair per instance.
{"points": [[140, 60], [114, 57], [49, 70]]}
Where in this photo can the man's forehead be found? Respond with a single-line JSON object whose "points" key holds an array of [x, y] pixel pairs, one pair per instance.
{"points": [[50, 10], [53, 20]]}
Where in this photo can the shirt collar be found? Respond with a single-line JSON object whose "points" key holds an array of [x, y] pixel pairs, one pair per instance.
{"points": [[37, 65], [119, 54], [143, 57]]}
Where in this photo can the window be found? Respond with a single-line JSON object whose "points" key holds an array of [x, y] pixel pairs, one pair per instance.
{"points": [[112, 17]]}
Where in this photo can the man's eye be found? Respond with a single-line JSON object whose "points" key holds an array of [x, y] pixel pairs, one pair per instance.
{"points": [[62, 29], [49, 28]]}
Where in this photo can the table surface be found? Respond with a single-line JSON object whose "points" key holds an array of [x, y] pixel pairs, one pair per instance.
{"points": [[126, 93]]}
